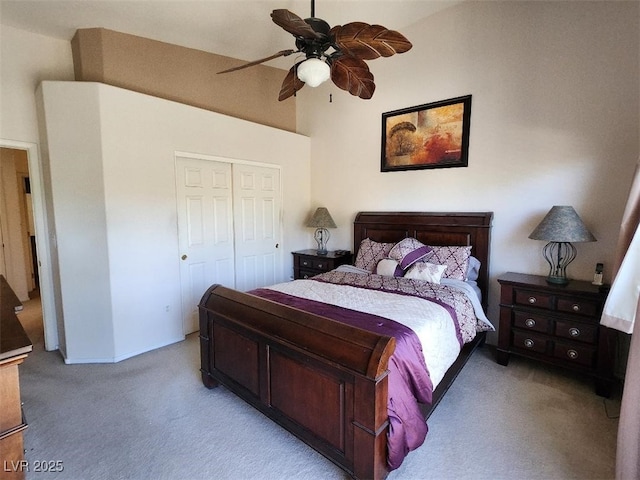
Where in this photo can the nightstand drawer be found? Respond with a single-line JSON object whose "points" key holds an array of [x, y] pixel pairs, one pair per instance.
{"points": [[533, 299], [532, 343], [323, 265], [580, 307], [528, 321], [307, 273], [318, 264], [305, 262], [572, 353], [577, 331]]}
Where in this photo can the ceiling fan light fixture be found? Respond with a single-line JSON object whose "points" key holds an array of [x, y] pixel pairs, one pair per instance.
{"points": [[313, 71]]}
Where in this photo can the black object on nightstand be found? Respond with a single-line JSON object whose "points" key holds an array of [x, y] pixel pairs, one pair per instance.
{"points": [[307, 263], [556, 324]]}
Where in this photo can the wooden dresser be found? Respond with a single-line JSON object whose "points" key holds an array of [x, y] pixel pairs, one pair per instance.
{"points": [[559, 325], [307, 263], [14, 348]]}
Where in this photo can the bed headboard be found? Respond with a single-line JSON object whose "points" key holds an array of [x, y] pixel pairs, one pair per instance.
{"points": [[431, 228]]}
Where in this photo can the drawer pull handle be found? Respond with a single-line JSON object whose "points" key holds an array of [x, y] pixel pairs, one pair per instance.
{"points": [[574, 332], [530, 322], [572, 354], [575, 307], [321, 266], [529, 343], [305, 263], [532, 300], [305, 276]]}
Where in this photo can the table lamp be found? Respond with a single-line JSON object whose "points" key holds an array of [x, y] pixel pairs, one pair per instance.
{"points": [[560, 227], [322, 220]]}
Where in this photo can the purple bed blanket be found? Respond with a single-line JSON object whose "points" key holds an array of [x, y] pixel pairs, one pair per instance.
{"points": [[409, 380]]}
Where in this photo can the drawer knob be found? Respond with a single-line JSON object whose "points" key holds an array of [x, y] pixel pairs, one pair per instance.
{"points": [[572, 354], [530, 322], [575, 307], [321, 266], [574, 332], [532, 300], [529, 343], [305, 276]]}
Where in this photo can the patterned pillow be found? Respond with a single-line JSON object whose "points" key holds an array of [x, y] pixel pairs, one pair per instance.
{"points": [[389, 267], [455, 258], [370, 253], [409, 251], [429, 272]]}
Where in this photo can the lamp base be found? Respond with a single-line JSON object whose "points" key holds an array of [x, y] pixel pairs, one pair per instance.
{"points": [[557, 280], [558, 255], [322, 236]]}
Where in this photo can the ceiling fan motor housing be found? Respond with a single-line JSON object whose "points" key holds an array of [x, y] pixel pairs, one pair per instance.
{"points": [[315, 47]]}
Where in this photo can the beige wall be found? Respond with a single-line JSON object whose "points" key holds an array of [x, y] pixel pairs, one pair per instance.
{"points": [[183, 75], [15, 267], [554, 121]]}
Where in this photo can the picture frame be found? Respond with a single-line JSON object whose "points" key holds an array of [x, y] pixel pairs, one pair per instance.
{"points": [[433, 135]]}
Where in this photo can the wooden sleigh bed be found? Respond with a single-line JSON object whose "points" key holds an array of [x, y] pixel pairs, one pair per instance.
{"points": [[324, 381]]}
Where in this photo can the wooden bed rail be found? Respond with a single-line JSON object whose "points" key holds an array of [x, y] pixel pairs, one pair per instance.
{"points": [[324, 381]]}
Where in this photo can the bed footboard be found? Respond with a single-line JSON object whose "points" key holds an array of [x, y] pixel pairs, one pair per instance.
{"points": [[324, 381]]}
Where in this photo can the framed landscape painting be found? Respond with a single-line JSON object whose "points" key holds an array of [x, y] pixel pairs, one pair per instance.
{"points": [[435, 135]]}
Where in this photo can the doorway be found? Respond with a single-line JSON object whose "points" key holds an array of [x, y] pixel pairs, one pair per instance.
{"points": [[25, 252]]}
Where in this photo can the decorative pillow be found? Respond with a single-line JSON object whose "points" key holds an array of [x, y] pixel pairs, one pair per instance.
{"points": [[389, 267], [409, 251], [370, 253], [429, 272], [455, 258]]}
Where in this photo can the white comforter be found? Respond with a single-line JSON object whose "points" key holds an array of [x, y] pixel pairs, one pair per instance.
{"points": [[430, 321]]}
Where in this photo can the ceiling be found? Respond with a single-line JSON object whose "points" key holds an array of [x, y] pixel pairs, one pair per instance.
{"points": [[236, 28]]}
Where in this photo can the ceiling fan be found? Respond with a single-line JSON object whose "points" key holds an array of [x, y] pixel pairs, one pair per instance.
{"points": [[338, 53]]}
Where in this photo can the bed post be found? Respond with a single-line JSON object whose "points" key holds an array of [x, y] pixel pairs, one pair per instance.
{"points": [[371, 426], [205, 344]]}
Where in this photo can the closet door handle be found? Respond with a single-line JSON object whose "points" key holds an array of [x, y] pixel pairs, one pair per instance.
{"points": [[183, 257]]}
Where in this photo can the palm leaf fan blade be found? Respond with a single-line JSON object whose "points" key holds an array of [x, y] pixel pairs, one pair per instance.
{"points": [[353, 75], [281, 53], [369, 41], [293, 24], [291, 84]]}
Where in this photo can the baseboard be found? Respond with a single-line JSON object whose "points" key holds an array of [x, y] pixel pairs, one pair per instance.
{"points": [[119, 358]]}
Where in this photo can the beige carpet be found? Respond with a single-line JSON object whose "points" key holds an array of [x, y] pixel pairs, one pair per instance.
{"points": [[149, 417]]}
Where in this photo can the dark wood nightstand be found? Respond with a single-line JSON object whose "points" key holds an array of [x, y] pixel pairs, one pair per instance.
{"points": [[555, 324], [307, 263]]}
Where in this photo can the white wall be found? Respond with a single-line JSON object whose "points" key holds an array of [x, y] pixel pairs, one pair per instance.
{"points": [[27, 59], [112, 158], [554, 121]]}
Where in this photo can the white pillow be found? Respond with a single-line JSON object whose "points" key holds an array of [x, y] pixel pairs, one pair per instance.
{"points": [[389, 267], [429, 272]]}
